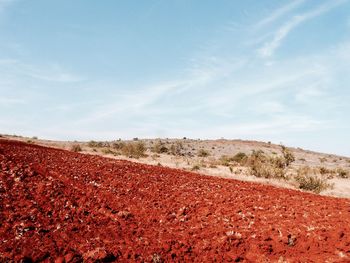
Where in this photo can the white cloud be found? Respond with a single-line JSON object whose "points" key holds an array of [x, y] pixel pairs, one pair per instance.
{"points": [[51, 72], [279, 13], [269, 47]]}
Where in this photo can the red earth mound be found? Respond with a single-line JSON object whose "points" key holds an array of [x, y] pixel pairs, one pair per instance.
{"points": [[62, 206]]}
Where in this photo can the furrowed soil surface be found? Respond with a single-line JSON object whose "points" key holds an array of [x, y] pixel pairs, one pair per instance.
{"points": [[70, 207]]}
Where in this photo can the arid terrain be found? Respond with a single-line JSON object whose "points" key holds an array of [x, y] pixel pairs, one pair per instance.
{"points": [[64, 206], [224, 158]]}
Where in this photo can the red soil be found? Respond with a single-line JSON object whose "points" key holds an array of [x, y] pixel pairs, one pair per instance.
{"points": [[69, 207]]}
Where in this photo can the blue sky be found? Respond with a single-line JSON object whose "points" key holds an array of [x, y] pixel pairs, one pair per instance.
{"points": [[263, 70]]}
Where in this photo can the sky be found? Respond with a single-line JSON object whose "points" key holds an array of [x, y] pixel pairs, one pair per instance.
{"points": [[269, 70]]}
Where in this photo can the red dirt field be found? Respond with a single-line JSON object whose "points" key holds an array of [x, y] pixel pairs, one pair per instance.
{"points": [[60, 206]]}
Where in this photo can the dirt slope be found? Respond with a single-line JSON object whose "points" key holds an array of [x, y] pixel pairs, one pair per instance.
{"points": [[65, 206]]}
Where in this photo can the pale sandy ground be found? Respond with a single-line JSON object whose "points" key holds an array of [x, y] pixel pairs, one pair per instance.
{"points": [[216, 149]]}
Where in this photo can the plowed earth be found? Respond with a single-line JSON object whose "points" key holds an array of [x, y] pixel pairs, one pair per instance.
{"points": [[70, 207]]}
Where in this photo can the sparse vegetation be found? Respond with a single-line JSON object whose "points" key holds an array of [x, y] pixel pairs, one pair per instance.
{"points": [[240, 157], [118, 145], [108, 151], [342, 173], [225, 160], [287, 156], [76, 148], [195, 167], [159, 147], [273, 163], [203, 153], [134, 149], [262, 165], [310, 179], [326, 172], [323, 159], [265, 166], [176, 148], [94, 144]]}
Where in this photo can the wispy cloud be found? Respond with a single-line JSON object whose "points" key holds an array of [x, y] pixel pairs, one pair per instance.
{"points": [[51, 72], [269, 47], [278, 13]]}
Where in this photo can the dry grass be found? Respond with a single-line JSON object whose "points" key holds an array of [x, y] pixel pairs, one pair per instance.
{"points": [[159, 147], [310, 179], [134, 149], [203, 153], [265, 166], [76, 148]]}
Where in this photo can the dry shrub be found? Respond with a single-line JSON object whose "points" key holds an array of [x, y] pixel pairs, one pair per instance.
{"points": [[225, 160], [118, 145], [94, 144], [239, 158], [309, 181], [331, 173], [134, 149], [203, 153], [288, 156], [195, 167], [159, 147], [176, 148], [262, 165], [323, 159], [325, 172], [341, 173], [108, 151], [76, 148]]}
